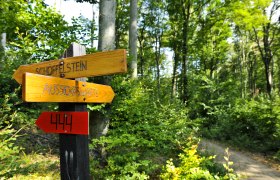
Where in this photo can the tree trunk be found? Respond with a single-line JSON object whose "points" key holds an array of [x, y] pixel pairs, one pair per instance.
{"points": [[157, 54], [3, 40], [2, 49], [141, 39], [174, 73], [141, 58], [267, 58], [266, 55], [99, 123], [107, 16], [133, 37], [186, 17], [92, 29], [76, 144], [268, 76]]}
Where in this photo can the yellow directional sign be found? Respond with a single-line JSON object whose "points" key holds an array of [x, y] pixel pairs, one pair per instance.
{"points": [[97, 64], [40, 88]]}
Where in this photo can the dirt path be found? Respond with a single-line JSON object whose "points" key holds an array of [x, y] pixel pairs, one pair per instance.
{"points": [[243, 164]]}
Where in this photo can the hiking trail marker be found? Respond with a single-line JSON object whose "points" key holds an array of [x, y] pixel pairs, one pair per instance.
{"points": [[97, 64], [39, 88], [45, 82], [64, 122]]}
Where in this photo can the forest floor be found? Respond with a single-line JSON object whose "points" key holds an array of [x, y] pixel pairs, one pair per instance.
{"points": [[249, 166]]}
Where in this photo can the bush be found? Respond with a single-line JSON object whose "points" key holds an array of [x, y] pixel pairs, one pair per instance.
{"points": [[194, 166], [252, 124], [9, 153], [143, 134]]}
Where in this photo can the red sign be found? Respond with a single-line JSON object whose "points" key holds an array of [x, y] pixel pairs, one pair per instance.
{"points": [[64, 122]]}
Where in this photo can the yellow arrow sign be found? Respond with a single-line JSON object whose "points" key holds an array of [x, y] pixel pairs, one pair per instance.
{"points": [[39, 88], [97, 64]]}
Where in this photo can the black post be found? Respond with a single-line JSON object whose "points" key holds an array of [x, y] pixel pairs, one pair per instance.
{"points": [[74, 150]]}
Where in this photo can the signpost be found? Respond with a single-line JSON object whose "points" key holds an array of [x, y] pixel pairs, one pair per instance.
{"points": [[97, 64], [74, 149], [64, 122], [39, 88], [43, 82]]}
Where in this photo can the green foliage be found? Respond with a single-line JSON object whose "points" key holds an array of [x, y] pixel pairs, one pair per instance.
{"points": [[30, 166], [37, 166], [16, 113], [5, 109], [35, 32], [277, 155], [14, 163], [253, 124], [228, 166], [9, 153], [194, 166], [10, 119], [218, 40], [84, 31], [143, 133], [250, 13], [122, 23]]}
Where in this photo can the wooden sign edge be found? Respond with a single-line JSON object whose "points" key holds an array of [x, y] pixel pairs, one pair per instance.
{"points": [[23, 68], [85, 112], [24, 90]]}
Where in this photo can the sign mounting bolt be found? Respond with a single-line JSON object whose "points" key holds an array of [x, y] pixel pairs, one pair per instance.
{"points": [[62, 75], [61, 63]]}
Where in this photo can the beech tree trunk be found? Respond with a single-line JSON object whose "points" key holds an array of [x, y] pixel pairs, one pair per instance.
{"points": [[107, 20], [99, 123], [141, 39], [174, 73], [2, 49], [266, 55], [2, 45], [133, 37]]}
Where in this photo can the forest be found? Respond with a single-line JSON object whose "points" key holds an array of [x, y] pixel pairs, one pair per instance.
{"points": [[197, 69]]}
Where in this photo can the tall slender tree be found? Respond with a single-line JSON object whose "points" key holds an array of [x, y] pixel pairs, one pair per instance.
{"points": [[107, 8], [265, 41], [2, 45], [256, 17], [107, 22], [133, 37]]}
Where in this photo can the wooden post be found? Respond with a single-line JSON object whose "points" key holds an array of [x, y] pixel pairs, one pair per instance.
{"points": [[74, 150]]}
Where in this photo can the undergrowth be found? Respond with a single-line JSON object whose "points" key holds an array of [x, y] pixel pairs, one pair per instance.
{"points": [[145, 134]]}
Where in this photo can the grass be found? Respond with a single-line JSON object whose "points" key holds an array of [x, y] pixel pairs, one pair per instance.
{"points": [[36, 158], [36, 166]]}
